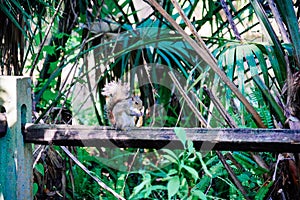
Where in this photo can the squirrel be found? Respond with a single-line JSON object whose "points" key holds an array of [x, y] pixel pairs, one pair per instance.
{"points": [[122, 109]]}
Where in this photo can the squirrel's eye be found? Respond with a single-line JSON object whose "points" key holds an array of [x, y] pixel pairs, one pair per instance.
{"points": [[136, 103]]}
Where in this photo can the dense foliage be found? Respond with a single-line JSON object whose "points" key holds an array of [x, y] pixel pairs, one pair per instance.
{"points": [[247, 57]]}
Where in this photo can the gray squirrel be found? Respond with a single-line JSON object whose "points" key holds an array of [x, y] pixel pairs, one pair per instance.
{"points": [[122, 108]]}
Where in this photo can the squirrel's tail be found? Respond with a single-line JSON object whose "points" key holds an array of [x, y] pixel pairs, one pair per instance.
{"points": [[116, 91]]}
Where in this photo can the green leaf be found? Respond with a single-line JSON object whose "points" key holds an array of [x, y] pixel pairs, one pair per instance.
{"points": [[48, 95], [53, 66], [204, 183], [199, 194], [288, 14], [263, 191], [203, 164], [172, 172], [142, 185], [173, 186], [158, 187], [230, 55], [60, 35], [275, 65], [40, 168], [262, 17], [248, 163], [271, 99], [230, 61], [181, 134], [184, 187], [49, 49], [251, 61], [192, 171], [262, 62], [171, 155], [244, 178], [120, 184], [35, 188], [190, 146]]}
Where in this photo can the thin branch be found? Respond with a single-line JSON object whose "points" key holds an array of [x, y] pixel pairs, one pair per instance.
{"points": [[278, 20], [220, 108], [230, 20], [129, 168], [216, 118], [102, 184], [289, 81], [259, 161], [232, 175], [39, 150], [191, 27], [188, 100], [72, 178]]}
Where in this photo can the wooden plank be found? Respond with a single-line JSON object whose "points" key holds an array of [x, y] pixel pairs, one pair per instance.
{"points": [[276, 140]]}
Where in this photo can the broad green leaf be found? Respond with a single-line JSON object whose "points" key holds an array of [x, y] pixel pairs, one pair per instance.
{"points": [[158, 187], [40, 168], [192, 171], [172, 172], [173, 186], [244, 178], [48, 95], [181, 134], [35, 189], [171, 159], [53, 66], [61, 35], [49, 49], [171, 155], [230, 61], [204, 183], [190, 146], [199, 194], [184, 187]]}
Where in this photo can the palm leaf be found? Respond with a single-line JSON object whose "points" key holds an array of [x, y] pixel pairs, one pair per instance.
{"points": [[262, 17], [289, 17]]}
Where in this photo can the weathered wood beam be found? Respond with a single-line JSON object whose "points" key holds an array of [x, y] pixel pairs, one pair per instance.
{"points": [[273, 140]]}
